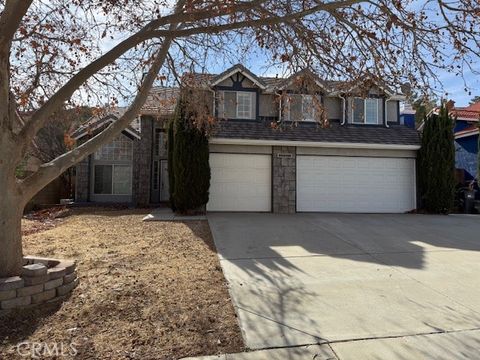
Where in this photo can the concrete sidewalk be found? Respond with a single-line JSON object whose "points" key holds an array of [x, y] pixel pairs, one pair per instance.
{"points": [[464, 345]]}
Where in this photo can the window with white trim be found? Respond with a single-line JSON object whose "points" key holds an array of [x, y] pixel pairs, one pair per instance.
{"points": [[237, 104], [365, 111], [302, 107], [112, 169]]}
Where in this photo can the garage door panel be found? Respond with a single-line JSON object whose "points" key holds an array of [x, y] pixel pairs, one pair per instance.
{"points": [[355, 184], [240, 182]]}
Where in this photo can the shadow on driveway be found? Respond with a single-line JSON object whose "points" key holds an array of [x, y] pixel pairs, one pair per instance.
{"points": [[312, 278]]}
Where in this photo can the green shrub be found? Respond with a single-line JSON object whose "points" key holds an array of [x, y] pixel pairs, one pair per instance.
{"points": [[191, 168], [436, 163]]}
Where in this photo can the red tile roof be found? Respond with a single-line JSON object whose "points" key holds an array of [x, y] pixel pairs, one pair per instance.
{"points": [[471, 112]]}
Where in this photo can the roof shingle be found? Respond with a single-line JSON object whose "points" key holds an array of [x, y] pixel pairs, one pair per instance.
{"points": [[395, 134]]}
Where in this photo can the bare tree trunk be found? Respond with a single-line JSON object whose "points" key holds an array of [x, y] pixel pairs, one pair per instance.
{"points": [[11, 211]]}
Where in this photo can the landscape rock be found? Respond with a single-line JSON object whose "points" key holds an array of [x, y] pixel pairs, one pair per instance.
{"points": [[11, 283], [33, 270]]}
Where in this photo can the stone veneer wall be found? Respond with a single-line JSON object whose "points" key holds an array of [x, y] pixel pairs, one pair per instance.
{"points": [[284, 179], [81, 181], [142, 163], [43, 280]]}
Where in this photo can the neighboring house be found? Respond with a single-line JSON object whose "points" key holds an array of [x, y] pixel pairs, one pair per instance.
{"points": [[269, 153], [466, 138], [407, 115]]}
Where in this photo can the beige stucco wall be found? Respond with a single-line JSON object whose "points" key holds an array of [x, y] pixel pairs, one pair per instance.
{"points": [[226, 82], [333, 106], [392, 113]]}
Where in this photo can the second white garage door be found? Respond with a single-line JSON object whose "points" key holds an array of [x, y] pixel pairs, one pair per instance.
{"points": [[355, 184], [240, 182]]}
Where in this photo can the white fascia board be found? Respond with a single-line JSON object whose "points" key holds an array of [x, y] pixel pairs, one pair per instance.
{"points": [[465, 119], [466, 134], [233, 72], [346, 145], [82, 134], [397, 97]]}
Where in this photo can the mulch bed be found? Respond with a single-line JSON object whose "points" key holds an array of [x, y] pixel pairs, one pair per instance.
{"points": [[148, 290]]}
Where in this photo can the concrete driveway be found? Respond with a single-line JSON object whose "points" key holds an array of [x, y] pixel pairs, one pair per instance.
{"points": [[368, 286]]}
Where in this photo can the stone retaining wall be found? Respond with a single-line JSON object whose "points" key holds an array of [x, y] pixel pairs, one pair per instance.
{"points": [[43, 280]]}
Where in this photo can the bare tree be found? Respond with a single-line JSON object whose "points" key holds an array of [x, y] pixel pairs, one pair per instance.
{"points": [[59, 53]]}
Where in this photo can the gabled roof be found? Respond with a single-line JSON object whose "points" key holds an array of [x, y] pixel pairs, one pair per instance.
{"points": [[238, 68], [305, 73], [468, 113], [97, 122], [347, 87], [270, 84], [161, 101]]}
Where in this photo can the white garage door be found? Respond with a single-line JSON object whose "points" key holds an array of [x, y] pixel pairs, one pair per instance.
{"points": [[240, 182], [355, 184]]}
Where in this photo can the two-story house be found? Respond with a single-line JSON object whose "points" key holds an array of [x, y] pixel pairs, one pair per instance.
{"points": [[280, 145]]}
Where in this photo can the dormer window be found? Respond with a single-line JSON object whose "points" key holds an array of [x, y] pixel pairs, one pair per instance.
{"points": [[365, 111], [237, 104], [301, 107]]}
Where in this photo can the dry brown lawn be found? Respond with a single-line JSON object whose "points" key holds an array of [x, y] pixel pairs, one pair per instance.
{"points": [[147, 290]]}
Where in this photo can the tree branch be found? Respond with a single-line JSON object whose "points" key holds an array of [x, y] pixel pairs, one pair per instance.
{"points": [[10, 19], [214, 29], [39, 118], [49, 171]]}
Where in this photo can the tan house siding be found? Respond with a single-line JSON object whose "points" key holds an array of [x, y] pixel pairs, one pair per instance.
{"points": [[333, 107], [392, 113]]}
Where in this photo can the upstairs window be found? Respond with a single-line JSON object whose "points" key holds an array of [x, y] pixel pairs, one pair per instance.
{"points": [[237, 104], [365, 111], [301, 107]]}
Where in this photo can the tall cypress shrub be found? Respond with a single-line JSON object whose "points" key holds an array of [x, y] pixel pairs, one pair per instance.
{"points": [[190, 162], [436, 163]]}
